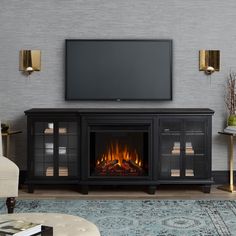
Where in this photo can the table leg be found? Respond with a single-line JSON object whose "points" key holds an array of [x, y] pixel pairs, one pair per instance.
{"points": [[230, 188]]}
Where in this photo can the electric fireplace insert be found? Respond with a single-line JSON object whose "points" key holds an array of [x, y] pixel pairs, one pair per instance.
{"points": [[119, 152]]}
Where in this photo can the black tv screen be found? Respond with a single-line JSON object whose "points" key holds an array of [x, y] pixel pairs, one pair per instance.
{"points": [[118, 69]]}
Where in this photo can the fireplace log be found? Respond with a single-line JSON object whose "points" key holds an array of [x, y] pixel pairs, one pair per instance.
{"points": [[117, 168], [135, 166], [125, 165], [111, 164]]}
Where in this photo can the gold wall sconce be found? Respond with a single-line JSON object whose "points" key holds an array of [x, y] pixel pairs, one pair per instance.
{"points": [[30, 61], [209, 61]]}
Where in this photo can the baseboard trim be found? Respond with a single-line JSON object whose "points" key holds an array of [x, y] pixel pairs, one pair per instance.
{"points": [[22, 177], [219, 176]]}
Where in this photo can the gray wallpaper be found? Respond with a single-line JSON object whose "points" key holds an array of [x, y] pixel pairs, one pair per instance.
{"points": [[45, 24]]}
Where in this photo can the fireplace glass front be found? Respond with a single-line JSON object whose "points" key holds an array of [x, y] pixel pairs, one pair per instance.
{"points": [[119, 152]]}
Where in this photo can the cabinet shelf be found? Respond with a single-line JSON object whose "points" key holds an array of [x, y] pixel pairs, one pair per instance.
{"points": [[171, 133], [60, 134], [196, 155], [194, 133], [178, 155], [186, 133], [51, 154], [43, 148], [170, 155]]}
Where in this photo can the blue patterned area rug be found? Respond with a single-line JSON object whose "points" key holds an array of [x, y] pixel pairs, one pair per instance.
{"points": [[144, 217]]}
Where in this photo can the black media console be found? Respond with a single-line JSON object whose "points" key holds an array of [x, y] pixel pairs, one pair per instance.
{"points": [[119, 147]]}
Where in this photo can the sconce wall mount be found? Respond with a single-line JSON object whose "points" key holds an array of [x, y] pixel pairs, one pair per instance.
{"points": [[209, 61], [30, 61]]}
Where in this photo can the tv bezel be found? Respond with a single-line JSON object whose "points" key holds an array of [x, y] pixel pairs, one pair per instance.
{"points": [[170, 41]]}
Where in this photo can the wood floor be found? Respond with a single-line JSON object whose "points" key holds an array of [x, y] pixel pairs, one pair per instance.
{"points": [[163, 192]]}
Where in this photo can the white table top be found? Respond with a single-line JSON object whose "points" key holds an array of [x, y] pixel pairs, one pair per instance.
{"points": [[63, 225]]}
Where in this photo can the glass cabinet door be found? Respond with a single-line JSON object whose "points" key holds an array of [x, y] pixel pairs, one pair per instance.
{"points": [[55, 149], [44, 149], [170, 148], [67, 149], [183, 148], [195, 157]]}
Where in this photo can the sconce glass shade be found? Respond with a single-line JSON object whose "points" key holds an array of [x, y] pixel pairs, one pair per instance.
{"points": [[209, 61], [30, 60]]}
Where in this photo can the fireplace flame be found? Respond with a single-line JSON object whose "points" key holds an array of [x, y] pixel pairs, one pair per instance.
{"points": [[119, 158]]}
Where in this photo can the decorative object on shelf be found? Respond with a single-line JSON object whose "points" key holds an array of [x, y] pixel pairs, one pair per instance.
{"points": [[189, 148], [175, 172], [176, 148], [230, 98], [50, 131], [62, 150], [49, 148], [30, 61], [189, 172], [63, 171], [209, 61], [50, 125]]}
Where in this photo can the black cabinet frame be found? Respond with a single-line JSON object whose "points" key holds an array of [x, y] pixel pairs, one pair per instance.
{"points": [[183, 133], [151, 118]]}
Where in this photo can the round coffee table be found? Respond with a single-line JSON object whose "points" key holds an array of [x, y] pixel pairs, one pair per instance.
{"points": [[63, 225]]}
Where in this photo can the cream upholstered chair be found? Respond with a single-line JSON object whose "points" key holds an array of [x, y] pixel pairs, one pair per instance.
{"points": [[9, 178]]}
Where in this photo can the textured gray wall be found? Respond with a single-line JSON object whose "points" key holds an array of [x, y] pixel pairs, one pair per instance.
{"points": [[45, 24]]}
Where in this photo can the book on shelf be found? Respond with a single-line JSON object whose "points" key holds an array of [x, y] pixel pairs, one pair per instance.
{"points": [[49, 145], [51, 130], [176, 144], [49, 171], [18, 228], [175, 152], [62, 150], [189, 148], [62, 171], [188, 145], [189, 151], [62, 130], [176, 148], [48, 131], [230, 129], [189, 172], [175, 172], [49, 148]]}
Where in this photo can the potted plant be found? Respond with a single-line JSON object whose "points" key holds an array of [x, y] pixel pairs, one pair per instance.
{"points": [[230, 99]]}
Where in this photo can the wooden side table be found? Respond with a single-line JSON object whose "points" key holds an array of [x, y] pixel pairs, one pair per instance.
{"points": [[8, 135], [230, 187]]}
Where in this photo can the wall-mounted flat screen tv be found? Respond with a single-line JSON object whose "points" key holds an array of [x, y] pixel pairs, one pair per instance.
{"points": [[118, 69]]}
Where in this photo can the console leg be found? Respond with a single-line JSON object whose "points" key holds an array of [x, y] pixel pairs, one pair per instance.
{"points": [[206, 188], [30, 188], [151, 189], [84, 189], [10, 202]]}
